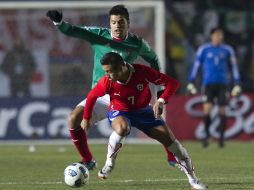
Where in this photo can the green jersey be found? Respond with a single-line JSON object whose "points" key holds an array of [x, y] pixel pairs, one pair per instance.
{"points": [[102, 43]]}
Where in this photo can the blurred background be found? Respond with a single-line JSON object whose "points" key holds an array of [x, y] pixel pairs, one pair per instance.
{"points": [[44, 74]]}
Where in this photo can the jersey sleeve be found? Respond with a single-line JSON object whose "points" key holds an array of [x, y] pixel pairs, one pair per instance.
{"points": [[196, 65], [99, 90], [170, 84], [234, 66], [149, 55], [90, 34]]}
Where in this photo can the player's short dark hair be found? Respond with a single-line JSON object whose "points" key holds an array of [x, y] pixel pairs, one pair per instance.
{"points": [[215, 29], [120, 10], [113, 59]]}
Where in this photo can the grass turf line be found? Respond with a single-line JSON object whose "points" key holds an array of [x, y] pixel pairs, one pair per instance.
{"points": [[138, 167]]}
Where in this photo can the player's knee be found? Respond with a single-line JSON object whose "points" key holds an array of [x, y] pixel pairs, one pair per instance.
{"points": [[72, 119], [126, 130], [122, 129], [121, 126]]}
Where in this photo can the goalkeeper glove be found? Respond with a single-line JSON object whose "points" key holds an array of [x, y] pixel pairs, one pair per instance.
{"points": [[55, 16], [236, 91], [191, 89]]}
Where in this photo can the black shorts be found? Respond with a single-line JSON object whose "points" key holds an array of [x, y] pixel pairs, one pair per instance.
{"points": [[216, 93]]}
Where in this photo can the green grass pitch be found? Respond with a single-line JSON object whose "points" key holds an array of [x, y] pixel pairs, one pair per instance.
{"points": [[138, 167]]}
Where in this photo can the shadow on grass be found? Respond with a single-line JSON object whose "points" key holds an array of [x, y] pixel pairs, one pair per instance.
{"points": [[231, 185]]}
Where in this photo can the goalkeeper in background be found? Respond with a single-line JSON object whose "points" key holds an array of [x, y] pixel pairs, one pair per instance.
{"points": [[215, 59], [103, 40]]}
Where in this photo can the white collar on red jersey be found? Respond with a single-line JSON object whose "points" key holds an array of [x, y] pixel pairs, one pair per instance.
{"points": [[132, 70]]}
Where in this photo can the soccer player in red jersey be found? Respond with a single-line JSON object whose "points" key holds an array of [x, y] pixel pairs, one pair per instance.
{"points": [[118, 39], [130, 95]]}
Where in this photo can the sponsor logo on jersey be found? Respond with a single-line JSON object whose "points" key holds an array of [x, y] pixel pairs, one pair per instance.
{"points": [[222, 55], [140, 87], [117, 94], [115, 113]]}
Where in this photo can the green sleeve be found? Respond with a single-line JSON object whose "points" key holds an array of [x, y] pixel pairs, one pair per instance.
{"points": [[90, 34], [149, 55]]}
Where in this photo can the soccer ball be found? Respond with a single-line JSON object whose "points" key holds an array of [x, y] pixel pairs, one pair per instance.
{"points": [[76, 175]]}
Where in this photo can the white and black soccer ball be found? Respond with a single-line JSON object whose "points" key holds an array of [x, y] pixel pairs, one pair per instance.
{"points": [[76, 175]]}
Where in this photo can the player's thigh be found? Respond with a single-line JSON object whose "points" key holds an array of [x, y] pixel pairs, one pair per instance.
{"points": [[208, 93], [162, 133], [100, 108], [207, 107], [223, 96], [222, 110], [121, 125]]}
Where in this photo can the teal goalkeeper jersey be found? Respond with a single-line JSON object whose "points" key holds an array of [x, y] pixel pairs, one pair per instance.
{"points": [[102, 43]]}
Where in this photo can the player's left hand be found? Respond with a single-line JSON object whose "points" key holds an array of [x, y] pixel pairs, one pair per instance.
{"points": [[55, 15], [85, 124], [158, 109], [236, 91]]}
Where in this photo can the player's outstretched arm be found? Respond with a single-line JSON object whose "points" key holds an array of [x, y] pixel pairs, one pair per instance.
{"points": [[236, 90], [171, 85], [98, 90], [147, 53], [90, 34], [55, 15]]}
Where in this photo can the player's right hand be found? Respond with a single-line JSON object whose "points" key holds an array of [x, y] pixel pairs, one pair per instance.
{"points": [[85, 124], [158, 109], [191, 89], [55, 15]]}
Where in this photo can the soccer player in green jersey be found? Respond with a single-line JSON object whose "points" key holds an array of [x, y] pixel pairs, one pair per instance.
{"points": [[117, 39]]}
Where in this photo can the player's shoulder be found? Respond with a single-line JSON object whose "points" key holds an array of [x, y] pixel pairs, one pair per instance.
{"points": [[134, 38], [105, 83], [202, 48], [138, 67], [227, 47], [205, 46], [104, 80]]}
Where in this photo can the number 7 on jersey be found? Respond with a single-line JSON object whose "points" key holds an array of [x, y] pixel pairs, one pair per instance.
{"points": [[131, 99]]}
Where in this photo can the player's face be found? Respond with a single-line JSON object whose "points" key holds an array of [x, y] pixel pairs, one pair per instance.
{"points": [[217, 37], [119, 26], [114, 74]]}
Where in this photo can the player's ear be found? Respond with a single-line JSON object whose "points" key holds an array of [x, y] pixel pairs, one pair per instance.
{"points": [[125, 64], [128, 22]]}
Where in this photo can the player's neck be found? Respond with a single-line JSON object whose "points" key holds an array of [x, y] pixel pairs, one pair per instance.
{"points": [[216, 44], [117, 39], [126, 75]]}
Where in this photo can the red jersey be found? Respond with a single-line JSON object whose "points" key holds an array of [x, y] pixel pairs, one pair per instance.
{"points": [[132, 95]]}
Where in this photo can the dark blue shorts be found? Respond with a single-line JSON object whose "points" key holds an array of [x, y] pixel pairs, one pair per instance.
{"points": [[143, 119], [216, 93]]}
